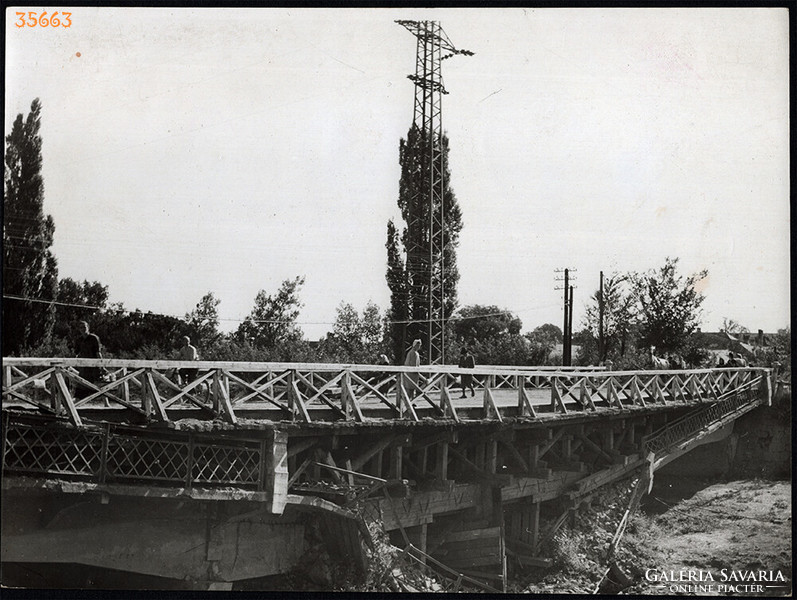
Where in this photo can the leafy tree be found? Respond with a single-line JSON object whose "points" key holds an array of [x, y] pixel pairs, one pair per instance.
{"points": [[494, 337], [72, 295], [355, 337], [543, 340], [480, 323], [273, 318], [204, 320], [668, 305], [619, 321], [408, 250], [546, 334], [136, 334], [30, 272]]}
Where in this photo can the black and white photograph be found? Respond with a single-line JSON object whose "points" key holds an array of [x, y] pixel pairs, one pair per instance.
{"points": [[397, 300]]}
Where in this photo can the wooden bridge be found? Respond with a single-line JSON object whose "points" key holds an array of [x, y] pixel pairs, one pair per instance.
{"points": [[220, 479]]}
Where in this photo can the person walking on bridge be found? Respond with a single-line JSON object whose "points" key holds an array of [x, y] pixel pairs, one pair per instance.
{"points": [[413, 359], [466, 361], [187, 352], [87, 345]]}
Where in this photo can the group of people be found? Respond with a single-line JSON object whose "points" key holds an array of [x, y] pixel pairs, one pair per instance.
{"points": [[88, 345], [734, 360]]}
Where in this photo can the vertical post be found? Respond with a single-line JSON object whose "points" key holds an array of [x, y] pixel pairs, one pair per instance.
{"points": [[565, 353], [441, 460], [601, 346], [570, 327], [395, 469], [106, 433], [276, 468], [125, 386], [535, 525]]}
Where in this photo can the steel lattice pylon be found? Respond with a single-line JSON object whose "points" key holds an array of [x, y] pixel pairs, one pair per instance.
{"points": [[426, 225]]}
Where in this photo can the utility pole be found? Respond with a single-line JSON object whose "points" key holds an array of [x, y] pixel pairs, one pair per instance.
{"points": [[567, 328], [426, 225], [570, 328], [601, 343]]}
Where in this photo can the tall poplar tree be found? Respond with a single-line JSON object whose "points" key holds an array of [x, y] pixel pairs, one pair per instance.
{"points": [[407, 272], [30, 271]]}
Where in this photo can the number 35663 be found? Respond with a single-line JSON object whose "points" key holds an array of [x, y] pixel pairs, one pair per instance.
{"points": [[33, 19]]}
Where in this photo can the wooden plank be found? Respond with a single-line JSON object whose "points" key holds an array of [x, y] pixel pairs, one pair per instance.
{"points": [[556, 396], [474, 534], [490, 409], [297, 403], [350, 400], [446, 405], [358, 462], [479, 561], [66, 399], [525, 409], [154, 396], [406, 404], [299, 470]]}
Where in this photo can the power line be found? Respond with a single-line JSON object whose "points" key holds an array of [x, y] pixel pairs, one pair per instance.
{"points": [[271, 321]]}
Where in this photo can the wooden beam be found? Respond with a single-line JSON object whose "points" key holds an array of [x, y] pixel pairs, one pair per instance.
{"points": [[358, 462], [297, 403], [349, 400], [446, 405], [66, 399], [556, 396], [154, 396], [406, 404], [589, 443], [513, 452], [489, 405], [448, 436], [300, 445], [525, 409], [557, 436], [441, 460], [299, 471]]}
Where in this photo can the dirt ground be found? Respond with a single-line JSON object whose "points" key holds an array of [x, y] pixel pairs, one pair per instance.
{"points": [[689, 538], [726, 534]]}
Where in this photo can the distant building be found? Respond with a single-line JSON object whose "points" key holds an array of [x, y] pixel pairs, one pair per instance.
{"points": [[719, 343]]}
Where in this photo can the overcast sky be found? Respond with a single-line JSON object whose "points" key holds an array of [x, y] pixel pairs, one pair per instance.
{"points": [[226, 150]]}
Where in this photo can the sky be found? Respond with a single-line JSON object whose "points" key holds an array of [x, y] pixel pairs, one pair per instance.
{"points": [[227, 150]]}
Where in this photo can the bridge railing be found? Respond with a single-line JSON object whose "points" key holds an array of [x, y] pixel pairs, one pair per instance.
{"points": [[156, 390], [727, 407]]}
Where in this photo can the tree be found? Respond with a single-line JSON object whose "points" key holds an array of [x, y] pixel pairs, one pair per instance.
{"points": [[72, 295], [547, 334], [481, 323], [204, 320], [408, 250], [30, 271], [668, 305], [619, 320], [273, 318], [543, 340], [732, 327], [355, 337]]}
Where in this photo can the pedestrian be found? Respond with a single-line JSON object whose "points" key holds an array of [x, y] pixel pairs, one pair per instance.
{"points": [[187, 353], [413, 359], [87, 345], [466, 361]]}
